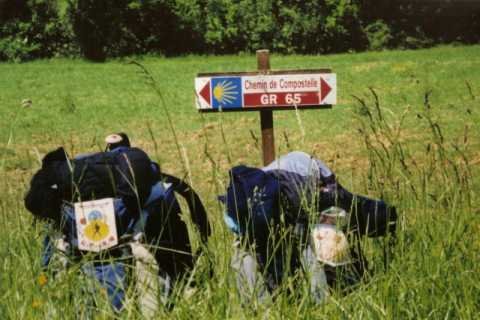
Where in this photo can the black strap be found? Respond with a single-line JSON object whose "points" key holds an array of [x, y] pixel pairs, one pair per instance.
{"points": [[197, 210]]}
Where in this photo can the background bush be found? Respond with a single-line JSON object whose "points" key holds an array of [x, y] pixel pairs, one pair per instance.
{"points": [[379, 35], [112, 28], [31, 29]]}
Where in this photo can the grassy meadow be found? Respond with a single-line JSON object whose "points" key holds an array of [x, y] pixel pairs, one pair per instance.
{"points": [[405, 129]]}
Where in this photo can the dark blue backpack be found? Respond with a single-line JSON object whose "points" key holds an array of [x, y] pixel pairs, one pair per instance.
{"points": [[144, 202], [251, 200], [144, 199]]}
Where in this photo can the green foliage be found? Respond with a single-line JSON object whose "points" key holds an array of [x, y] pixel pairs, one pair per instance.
{"points": [[233, 26], [319, 27], [101, 29], [96, 25], [414, 40], [118, 28], [379, 35], [30, 29], [282, 25], [162, 26]]}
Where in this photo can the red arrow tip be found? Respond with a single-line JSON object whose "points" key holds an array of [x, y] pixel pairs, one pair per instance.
{"points": [[205, 92], [324, 89]]}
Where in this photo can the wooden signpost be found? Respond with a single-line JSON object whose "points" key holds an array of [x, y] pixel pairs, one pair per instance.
{"points": [[265, 91]]}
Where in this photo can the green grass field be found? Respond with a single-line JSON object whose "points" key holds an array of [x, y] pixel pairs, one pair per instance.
{"points": [[418, 147]]}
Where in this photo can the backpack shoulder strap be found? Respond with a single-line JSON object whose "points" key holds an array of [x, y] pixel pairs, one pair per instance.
{"points": [[197, 210]]}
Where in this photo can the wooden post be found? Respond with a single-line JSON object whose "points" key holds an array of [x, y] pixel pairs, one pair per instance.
{"points": [[266, 116]]}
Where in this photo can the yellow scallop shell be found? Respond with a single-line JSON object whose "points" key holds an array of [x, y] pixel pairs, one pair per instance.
{"points": [[96, 230]]}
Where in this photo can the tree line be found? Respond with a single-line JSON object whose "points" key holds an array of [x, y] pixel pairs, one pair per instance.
{"points": [[100, 29]]}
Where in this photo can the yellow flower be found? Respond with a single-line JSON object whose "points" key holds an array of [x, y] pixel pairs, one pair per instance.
{"points": [[42, 279], [36, 304]]}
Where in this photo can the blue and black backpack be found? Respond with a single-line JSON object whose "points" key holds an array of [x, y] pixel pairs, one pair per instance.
{"points": [[251, 202], [144, 201]]}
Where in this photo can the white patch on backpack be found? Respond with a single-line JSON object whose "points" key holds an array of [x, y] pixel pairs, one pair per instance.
{"points": [[96, 227]]}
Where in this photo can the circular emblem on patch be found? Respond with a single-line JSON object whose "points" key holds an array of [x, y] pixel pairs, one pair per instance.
{"points": [[96, 229]]}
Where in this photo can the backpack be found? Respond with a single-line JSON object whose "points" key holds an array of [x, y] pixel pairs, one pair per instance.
{"points": [[144, 200], [125, 173], [251, 200]]}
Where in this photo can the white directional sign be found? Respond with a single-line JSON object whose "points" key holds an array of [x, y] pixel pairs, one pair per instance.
{"points": [[275, 90]]}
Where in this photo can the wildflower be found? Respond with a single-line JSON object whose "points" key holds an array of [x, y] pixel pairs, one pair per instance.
{"points": [[42, 279], [36, 303]]}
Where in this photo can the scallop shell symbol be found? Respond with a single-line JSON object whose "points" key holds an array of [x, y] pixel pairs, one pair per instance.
{"points": [[97, 229]]}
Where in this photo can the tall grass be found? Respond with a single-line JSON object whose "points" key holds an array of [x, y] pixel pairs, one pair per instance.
{"points": [[430, 178], [412, 158]]}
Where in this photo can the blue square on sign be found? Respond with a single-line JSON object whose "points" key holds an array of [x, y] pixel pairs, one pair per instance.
{"points": [[227, 92]]}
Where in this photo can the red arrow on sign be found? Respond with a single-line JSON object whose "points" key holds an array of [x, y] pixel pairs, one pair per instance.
{"points": [[205, 93], [324, 89]]}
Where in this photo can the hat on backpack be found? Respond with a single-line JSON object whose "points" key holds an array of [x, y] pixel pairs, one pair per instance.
{"points": [[116, 140]]}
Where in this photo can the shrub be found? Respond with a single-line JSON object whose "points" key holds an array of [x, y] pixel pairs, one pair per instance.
{"points": [[111, 28], [96, 25], [235, 26], [283, 25], [379, 35], [114, 28], [30, 29], [162, 26]]}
